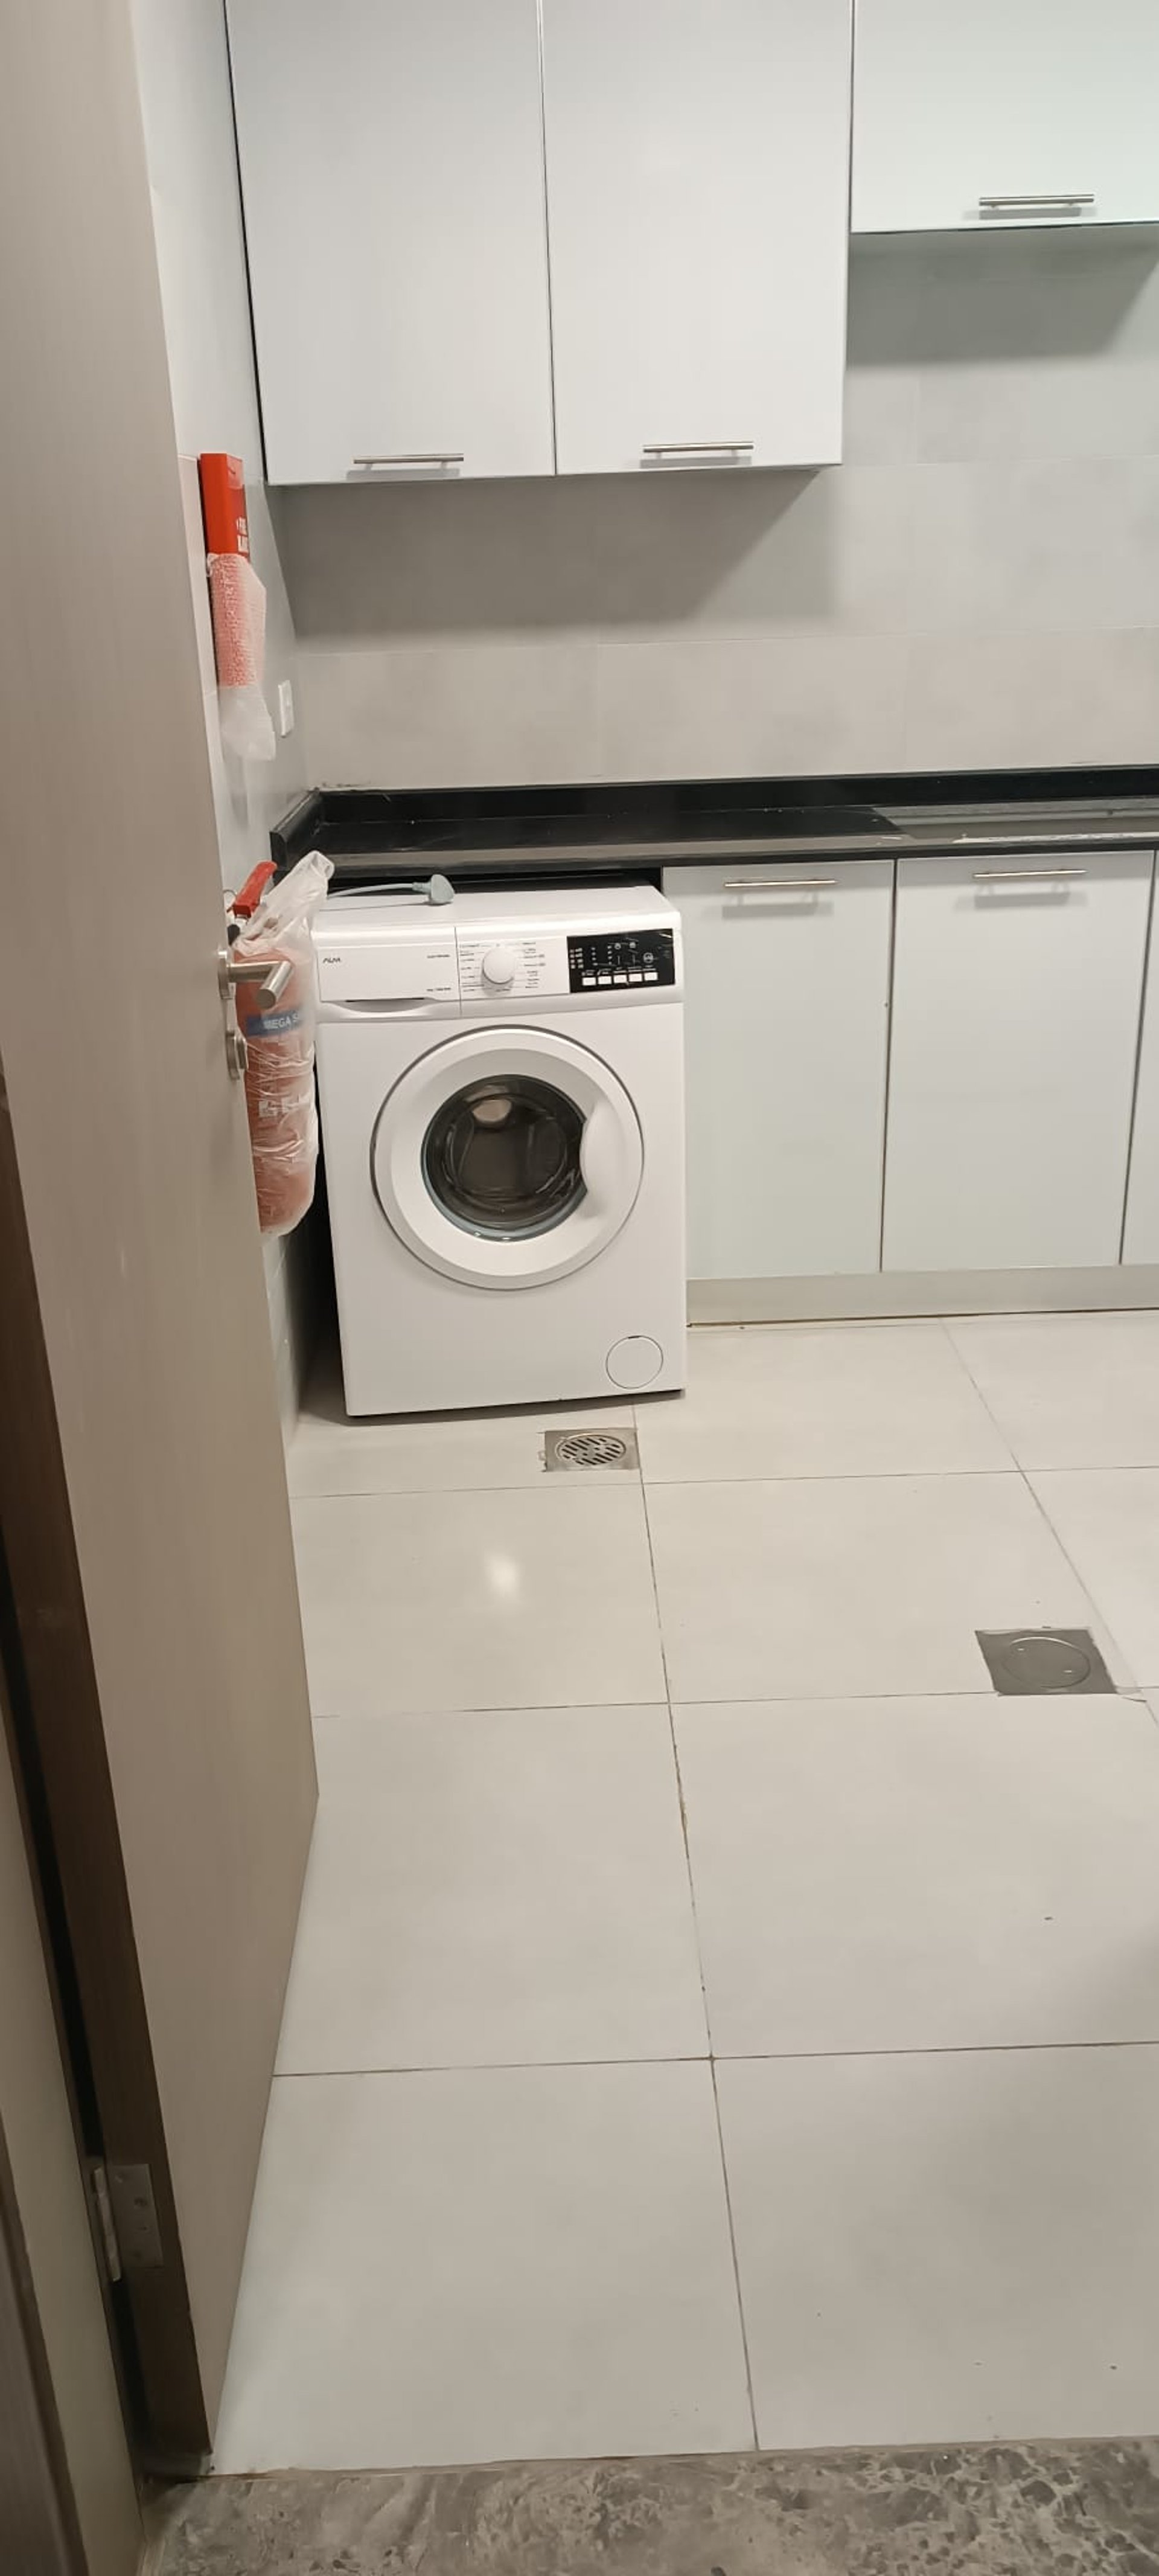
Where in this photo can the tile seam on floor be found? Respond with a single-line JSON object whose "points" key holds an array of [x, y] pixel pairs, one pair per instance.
{"points": [[1040, 1507], [944, 1323], [491, 2066], [733, 1699], [533, 1708], [411, 1493], [613, 1480], [1130, 1683], [711, 2058], [742, 2321], [835, 1476]]}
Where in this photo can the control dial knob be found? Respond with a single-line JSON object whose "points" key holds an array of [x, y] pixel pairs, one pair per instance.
{"points": [[499, 969]]}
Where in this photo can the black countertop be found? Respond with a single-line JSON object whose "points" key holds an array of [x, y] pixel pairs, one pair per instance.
{"points": [[498, 835]]}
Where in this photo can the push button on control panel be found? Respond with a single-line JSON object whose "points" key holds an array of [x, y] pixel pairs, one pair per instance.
{"points": [[621, 957]]}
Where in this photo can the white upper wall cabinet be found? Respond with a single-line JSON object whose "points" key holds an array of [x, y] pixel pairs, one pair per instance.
{"points": [[970, 114], [698, 194], [392, 172]]}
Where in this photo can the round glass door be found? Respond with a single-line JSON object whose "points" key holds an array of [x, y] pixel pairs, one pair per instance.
{"points": [[507, 1157], [502, 1156]]}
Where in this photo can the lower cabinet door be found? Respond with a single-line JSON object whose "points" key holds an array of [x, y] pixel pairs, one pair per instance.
{"points": [[1141, 1233], [786, 1014], [1016, 1000]]}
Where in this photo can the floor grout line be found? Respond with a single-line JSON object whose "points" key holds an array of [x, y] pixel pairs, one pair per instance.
{"points": [[1115, 1649], [711, 2058], [1136, 1691], [740, 2306], [620, 1480], [1040, 1507]]}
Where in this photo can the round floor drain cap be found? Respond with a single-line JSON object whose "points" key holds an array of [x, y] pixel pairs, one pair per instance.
{"points": [[1045, 1663]]}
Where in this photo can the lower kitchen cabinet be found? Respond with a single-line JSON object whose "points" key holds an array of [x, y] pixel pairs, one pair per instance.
{"points": [[1016, 1002], [786, 1013], [1141, 1232]]}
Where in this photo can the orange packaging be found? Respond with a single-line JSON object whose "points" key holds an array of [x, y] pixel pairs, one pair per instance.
{"points": [[223, 509]]}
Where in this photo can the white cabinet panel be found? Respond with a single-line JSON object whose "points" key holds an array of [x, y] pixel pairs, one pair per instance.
{"points": [[698, 183], [1141, 1233], [786, 1007], [956, 101], [392, 169], [1016, 999]]}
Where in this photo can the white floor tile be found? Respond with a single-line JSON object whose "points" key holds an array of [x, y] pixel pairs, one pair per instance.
{"points": [[940, 1873], [854, 1586], [1069, 1390], [497, 1888], [329, 1454], [820, 1400], [528, 2264], [943, 2249], [1108, 1522], [486, 1600]]}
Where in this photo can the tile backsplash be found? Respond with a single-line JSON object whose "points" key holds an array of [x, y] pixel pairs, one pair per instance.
{"points": [[977, 585]]}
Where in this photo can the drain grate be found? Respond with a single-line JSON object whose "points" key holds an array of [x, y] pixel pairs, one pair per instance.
{"points": [[571, 1451], [1044, 1659]]}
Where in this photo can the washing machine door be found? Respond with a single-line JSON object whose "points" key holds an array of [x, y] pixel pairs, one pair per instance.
{"points": [[507, 1157]]}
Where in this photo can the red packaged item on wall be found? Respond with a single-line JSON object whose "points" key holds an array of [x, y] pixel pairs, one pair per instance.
{"points": [[237, 602], [223, 510]]}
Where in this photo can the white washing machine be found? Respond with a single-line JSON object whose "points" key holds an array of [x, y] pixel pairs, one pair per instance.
{"points": [[502, 1091]]}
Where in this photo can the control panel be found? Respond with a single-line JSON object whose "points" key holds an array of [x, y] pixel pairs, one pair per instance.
{"points": [[492, 967], [613, 958]]}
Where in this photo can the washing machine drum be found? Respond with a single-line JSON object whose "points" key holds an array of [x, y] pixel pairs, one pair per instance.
{"points": [[507, 1157]]}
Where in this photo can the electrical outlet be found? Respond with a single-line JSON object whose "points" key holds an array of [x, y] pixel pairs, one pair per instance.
{"points": [[285, 707]]}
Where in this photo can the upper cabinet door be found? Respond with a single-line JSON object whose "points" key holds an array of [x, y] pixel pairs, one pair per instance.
{"points": [[973, 113], [698, 178], [392, 172]]}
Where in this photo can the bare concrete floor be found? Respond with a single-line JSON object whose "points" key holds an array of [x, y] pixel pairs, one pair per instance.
{"points": [[1075, 2509]]}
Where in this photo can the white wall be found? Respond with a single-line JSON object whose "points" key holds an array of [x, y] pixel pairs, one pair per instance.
{"points": [[183, 68], [185, 101]]}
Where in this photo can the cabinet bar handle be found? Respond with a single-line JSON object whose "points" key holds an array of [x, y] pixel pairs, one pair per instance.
{"points": [[700, 447], [441, 456], [1065, 201], [776, 885], [1026, 876]]}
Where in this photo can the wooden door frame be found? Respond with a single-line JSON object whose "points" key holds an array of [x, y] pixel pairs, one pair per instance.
{"points": [[39, 2524], [62, 1764]]}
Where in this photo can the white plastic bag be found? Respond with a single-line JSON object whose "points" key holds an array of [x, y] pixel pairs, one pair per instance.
{"points": [[279, 1081], [238, 606]]}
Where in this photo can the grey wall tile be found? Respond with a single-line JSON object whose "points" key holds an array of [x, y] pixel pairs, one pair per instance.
{"points": [[886, 284], [1038, 407], [450, 715], [1031, 701], [1045, 545], [736, 706], [823, 553], [1026, 295], [787, 551], [998, 505], [385, 561], [1038, 344]]}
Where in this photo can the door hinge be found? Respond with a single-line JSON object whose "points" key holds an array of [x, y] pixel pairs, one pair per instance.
{"points": [[127, 2218], [103, 2208]]}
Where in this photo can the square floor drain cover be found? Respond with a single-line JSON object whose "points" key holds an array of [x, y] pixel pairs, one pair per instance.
{"points": [[574, 1450], [1044, 1659]]}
